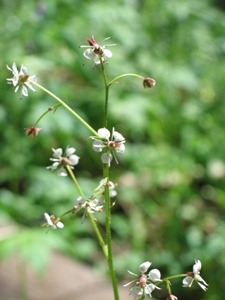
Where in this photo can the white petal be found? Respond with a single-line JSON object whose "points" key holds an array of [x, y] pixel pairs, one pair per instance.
{"points": [[62, 172], [107, 53], [144, 266], [187, 281], [89, 54], [97, 145], [106, 158], [48, 219], [154, 275], [60, 225], [74, 159], [24, 91], [70, 151], [120, 149], [57, 153], [197, 267], [104, 133]]}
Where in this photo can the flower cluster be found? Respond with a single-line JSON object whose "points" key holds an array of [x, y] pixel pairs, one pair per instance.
{"points": [[21, 78], [59, 161], [89, 205], [195, 276], [144, 284], [96, 52], [116, 144], [52, 221]]}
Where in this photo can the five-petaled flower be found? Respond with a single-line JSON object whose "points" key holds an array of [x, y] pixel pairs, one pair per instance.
{"points": [[144, 284], [32, 131], [109, 147], [96, 52], [52, 221], [21, 78], [59, 161], [195, 276]]}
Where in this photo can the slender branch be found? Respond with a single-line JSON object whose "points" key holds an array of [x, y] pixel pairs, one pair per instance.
{"points": [[108, 234], [93, 222], [66, 106]]}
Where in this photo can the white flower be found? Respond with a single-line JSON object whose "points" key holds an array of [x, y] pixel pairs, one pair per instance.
{"points": [[95, 51], [59, 162], [195, 275], [111, 185], [144, 285], [52, 221], [21, 78], [110, 146], [89, 205]]}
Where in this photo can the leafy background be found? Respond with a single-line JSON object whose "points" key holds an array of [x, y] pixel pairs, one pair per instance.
{"points": [[171, 198]]}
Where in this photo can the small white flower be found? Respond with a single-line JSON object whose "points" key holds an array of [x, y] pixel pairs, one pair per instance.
{"points": [[95, 51], [111, 185], [21, 78], [90, 206], [52, 222], [195, 276], [116, 144], [144, 285], [59, 161]]}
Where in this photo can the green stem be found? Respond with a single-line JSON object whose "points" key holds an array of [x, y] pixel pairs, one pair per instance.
{"points": [[125, 75], [93, 222], [108, 234], [45, 113], [66, 106], [106, 94]]}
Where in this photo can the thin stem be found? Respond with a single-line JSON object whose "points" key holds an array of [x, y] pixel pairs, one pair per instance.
{"points": [[45, 113], [125, 75], [108, 234], [93, 222], [66, 106], [106, 94]]}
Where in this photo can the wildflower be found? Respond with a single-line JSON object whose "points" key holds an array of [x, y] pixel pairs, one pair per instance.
{"points": [[149, 82], [21, 78], [110, 146], [52, 221], [95, 51], [111, 185], [89, 206], [195, 275], [32, 131], [144, 285], [59, 161]]}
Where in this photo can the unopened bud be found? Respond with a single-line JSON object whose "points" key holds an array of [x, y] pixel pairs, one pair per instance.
{"points": [[149, 82]]}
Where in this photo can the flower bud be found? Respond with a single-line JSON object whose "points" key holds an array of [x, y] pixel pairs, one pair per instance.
{"points": [[149, 82]]}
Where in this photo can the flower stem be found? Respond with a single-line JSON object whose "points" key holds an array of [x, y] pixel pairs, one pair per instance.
{"points": [[125, 75], [106, 94], [45, 113], [65, 106], [93, 222], [108, 234]]}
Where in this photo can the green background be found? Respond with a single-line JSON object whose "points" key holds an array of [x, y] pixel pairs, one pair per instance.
{"points": [[171, 198]]}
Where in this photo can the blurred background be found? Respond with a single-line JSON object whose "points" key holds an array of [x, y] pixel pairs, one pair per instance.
{"points": [[170, 206]]}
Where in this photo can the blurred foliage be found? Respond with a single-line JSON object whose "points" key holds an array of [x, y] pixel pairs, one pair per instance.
{"points": [[171, 198]]}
